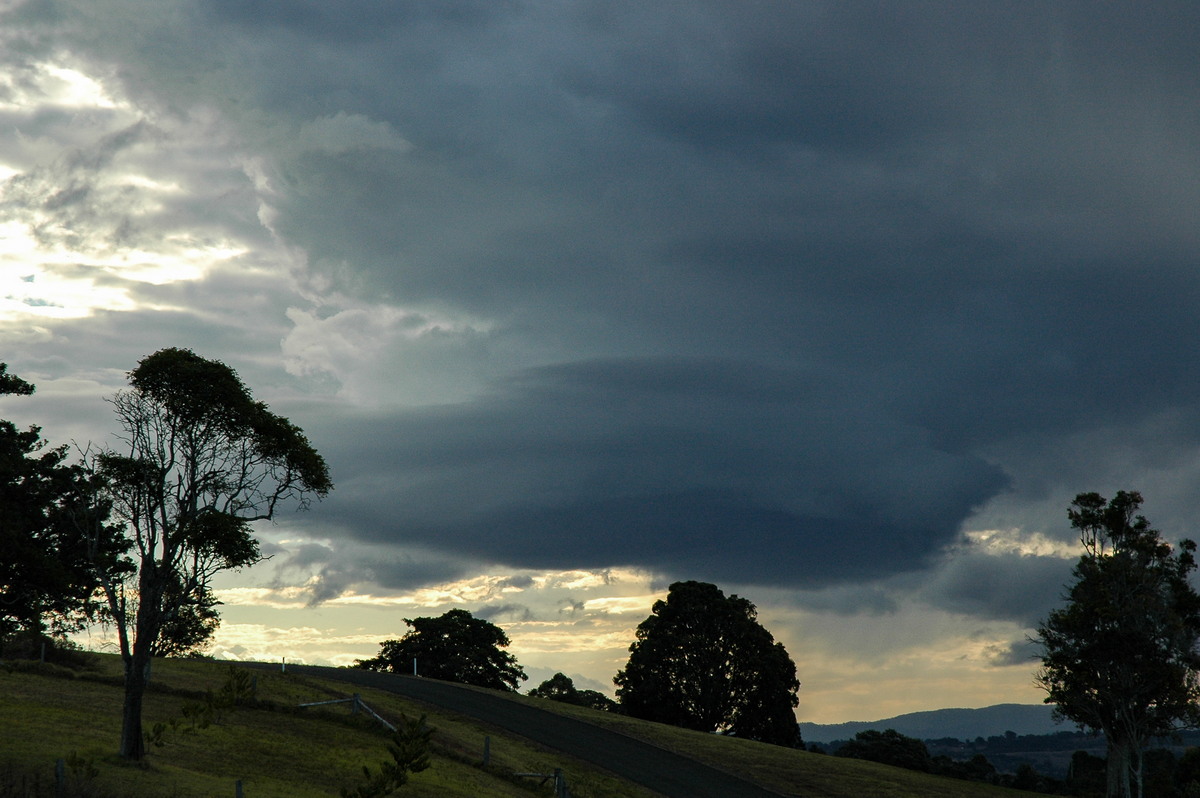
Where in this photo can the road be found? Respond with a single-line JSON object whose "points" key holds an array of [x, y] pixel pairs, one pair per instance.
{"points": [[662, 771]]}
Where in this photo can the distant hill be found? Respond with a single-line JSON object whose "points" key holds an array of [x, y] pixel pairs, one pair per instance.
{"points": [[963, 724]]}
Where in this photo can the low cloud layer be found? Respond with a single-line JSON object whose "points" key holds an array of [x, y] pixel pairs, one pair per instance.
{"points": [[696, 467]]}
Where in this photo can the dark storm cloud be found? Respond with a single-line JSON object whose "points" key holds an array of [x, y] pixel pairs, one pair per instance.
{"points": [[772, 292], [708, 468]]}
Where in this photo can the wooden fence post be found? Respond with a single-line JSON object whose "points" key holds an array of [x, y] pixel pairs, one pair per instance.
{"points": [[60, 778], [487, 750], [237, 789]]}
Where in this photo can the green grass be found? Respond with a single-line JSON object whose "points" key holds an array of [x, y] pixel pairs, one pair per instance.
{"points": [[273, 748], [278, 750]]}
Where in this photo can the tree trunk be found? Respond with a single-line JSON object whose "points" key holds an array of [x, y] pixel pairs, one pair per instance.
{"points": [[147, 624], [1118, 768], [133, 743], [137, 678], [1138, 771]]}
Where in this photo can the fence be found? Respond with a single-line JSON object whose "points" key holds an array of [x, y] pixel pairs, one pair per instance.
{"points": [[560, 781], [356, 705]]}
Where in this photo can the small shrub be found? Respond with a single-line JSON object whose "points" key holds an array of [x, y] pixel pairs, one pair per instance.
{"points": [[410, 754]]}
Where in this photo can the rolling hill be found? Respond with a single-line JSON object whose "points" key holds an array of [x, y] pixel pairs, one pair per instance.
{"points": [[963, 724], [276, 749]]}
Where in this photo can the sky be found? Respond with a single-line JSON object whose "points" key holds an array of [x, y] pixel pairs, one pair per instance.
{"points": [[836, 305]]}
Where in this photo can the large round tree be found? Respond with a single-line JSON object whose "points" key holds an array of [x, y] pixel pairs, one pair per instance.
{"points": [[455, 646], [703, 661]]}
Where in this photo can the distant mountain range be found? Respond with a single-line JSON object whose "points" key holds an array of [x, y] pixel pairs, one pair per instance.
{"points": [[963, 724]]}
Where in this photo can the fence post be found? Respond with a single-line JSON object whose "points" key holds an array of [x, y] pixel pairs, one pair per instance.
{"points": [[560, 784], [354, 706], [60, 777], [237, 789], [487, 750]]}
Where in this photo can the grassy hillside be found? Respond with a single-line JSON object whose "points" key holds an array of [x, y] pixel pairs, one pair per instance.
{"points": [[274, 749]]}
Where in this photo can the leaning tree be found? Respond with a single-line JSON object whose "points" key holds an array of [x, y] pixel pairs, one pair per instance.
{"points": [[1121, 656], [703, 661], [200, 461]]}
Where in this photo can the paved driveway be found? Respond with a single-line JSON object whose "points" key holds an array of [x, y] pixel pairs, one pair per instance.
{"points": [[664, 772]]}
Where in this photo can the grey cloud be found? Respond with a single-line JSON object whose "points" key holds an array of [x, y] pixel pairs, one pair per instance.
{"points": [[688, 466], [308, 554], [338, 568], [777, 293], [408, 572], [354, 20], [504, 612], [572, 608], [854, 599], [1017, 653], [1020, 588]]}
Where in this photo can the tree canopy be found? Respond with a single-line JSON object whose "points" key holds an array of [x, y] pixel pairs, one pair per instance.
{"points": [[200, 461], [889, 747], [702, 661], [560, 687], [1121, 656], [456, 647], [47, 578]]}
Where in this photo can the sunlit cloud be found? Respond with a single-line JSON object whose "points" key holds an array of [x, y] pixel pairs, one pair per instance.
{"points": [[54, 84], [1019, 541], [98, 210], [621, 605], [271, 598], [547, 637], [298, 644]]}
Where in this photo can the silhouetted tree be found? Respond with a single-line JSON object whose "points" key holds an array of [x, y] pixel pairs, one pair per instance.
{"points": [[201, 461], [560, 687], [1121, 656], [456, 646], [190, 630], [888, 747], [702, 661], [47, 579], [1187, 773], [1086, 775]]}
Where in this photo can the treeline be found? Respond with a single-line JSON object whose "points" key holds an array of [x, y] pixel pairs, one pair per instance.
{"points": [[701, 661], [132, 537], [1028, 762]]}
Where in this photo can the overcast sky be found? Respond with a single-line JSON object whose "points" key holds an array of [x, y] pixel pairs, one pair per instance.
{"points": [[836, 305]]}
